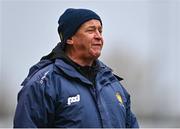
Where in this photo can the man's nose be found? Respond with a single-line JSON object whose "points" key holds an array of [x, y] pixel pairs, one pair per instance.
{"points": [[98, 35]]}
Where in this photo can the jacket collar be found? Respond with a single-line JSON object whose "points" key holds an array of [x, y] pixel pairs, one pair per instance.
{"points": [[70, 71]]}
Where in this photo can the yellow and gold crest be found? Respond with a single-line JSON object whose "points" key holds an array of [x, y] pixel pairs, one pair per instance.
{"points": [[119, 98]]}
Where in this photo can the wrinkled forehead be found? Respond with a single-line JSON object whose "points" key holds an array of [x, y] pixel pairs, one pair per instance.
{"points": [[92, 23]]}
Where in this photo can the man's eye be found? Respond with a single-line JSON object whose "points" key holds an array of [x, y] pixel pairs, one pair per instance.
{"points": [[100, 31], [90, 30]]}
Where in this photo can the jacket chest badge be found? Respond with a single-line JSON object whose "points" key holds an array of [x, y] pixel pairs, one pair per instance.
{"points": [[119, 98], [73, 99]]}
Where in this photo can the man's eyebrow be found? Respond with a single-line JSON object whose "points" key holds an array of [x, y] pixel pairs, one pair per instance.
{"points": [[93, 26]]}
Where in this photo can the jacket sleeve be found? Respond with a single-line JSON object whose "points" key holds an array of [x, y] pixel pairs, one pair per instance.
{"points": [[131, 120], [35, 108]]}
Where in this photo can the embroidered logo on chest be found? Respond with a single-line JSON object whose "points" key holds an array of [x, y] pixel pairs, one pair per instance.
{"points": [[73, 99], [119, 98]]}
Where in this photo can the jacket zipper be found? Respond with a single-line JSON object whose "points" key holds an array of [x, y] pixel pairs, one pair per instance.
{"points": [[95, 97]]}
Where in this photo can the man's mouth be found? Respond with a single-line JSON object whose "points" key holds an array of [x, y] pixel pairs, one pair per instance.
{"points": [[97, 45]]}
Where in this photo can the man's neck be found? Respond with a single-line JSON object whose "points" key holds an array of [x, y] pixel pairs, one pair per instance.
{"points": [[81, 61], [78, 58]]}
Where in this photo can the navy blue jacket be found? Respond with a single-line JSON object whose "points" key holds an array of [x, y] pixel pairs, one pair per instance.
{"points": [[55, 95]]}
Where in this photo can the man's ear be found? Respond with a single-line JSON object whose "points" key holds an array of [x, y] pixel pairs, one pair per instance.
{"points": [[69, 41]]}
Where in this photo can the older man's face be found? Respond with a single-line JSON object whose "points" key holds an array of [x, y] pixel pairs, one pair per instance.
{"points": [[88, 41]]}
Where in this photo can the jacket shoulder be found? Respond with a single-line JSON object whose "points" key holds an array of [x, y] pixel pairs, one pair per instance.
{"points": [[39, 73]]}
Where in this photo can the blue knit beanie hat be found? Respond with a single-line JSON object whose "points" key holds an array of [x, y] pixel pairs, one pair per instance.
{"points": [[70, 21]]}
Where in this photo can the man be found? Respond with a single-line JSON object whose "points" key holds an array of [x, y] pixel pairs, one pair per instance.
{"points": [[70, 87]]}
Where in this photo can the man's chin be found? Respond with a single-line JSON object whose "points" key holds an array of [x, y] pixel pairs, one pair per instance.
{"points": [[96, 55]]}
